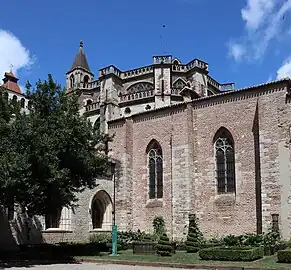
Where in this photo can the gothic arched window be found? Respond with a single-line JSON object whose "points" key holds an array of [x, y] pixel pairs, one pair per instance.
{"points": [[179, 84], [225, 161], [140, 86], [96, 126], [155, 170], [72, 81]]}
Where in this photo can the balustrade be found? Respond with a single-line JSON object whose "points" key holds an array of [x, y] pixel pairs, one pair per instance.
{"points": [[92, 106], [137, 95]]}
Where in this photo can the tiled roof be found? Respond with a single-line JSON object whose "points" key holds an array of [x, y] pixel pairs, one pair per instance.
{"points": [[80, 59], [10, 82]]}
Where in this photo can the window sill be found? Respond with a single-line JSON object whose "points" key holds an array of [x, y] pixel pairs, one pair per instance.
{"points": [[225, 199], [152, 203], [56, 230]]}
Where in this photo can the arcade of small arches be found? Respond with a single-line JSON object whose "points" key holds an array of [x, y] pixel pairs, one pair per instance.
{"points": [[100, 211], [15, 99], [86, 80]]}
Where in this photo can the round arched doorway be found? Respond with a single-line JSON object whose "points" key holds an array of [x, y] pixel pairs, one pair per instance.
{"points": [[101, 211]]}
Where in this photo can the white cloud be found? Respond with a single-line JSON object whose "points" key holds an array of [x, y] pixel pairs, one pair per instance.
{"points": [[285, 70], [236, 51], [255, 12], [12, 52], [264, 23]]}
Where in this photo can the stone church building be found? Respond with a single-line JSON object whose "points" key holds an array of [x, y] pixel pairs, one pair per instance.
{"points": [[183, 144]]}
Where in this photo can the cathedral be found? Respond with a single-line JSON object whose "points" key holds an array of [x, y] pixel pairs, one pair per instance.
{"points": [[183, 144]]}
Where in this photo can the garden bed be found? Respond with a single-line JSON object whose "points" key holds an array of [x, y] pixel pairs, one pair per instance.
{"points": [[231, 253], [182, 259], [144, 248]]}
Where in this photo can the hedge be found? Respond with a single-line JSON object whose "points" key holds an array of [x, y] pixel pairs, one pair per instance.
{"points": [[284, 256], [231, 254]]}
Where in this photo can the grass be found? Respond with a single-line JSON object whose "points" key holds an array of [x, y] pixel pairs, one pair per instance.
{"points": [[181, 257]]}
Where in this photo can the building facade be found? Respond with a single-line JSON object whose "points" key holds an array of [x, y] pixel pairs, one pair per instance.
{"points": [[183, 144]]}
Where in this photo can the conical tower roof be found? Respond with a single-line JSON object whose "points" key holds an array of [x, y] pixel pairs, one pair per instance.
{"points": [[10, 82], [81, 60]]}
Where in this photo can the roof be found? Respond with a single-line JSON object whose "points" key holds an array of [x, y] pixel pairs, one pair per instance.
{"points": [[80, 59], [10, 82]]}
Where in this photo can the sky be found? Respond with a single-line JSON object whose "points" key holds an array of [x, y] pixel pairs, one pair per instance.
{"points": [[247, 42]]}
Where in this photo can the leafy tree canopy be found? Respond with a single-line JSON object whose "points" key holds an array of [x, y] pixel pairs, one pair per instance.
{"points": [[49, 154]]}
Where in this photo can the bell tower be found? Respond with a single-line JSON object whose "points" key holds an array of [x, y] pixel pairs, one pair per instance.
{"points": [[80, 73]]}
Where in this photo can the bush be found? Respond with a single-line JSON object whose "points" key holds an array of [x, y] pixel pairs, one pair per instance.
{"points": [[232, 240], [194, 237], [231, 254], [164, 246], [252, 240], [284, 256], [100, 238]]}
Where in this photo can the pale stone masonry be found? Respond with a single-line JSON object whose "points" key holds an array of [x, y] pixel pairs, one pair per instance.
{"points": [[183, 144]]}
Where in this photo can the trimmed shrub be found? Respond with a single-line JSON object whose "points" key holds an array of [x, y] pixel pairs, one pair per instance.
{"points": [[159, 226], [284, 256], [194, 237], [231, 254], [164, 246]]}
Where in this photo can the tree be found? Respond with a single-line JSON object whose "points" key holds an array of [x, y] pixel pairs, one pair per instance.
{"points": [[194, 237], [54, 152]]}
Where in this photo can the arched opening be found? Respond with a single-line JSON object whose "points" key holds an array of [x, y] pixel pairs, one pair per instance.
{"points": [[176, 62], [88, 102], [86, 80], [22, 103], [225, 161], [101, 211], [52, 219], [72, 81], [155, 169]]}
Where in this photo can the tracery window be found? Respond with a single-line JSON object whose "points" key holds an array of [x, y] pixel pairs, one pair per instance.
{"points": [[225, 161], [139, 87], [155, 170], [179, 84]]}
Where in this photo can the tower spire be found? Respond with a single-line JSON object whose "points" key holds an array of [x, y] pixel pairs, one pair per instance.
{"points": [[80, 59]]}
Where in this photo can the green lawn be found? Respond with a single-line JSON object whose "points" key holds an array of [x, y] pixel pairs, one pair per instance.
{"points": [[185, 258]]}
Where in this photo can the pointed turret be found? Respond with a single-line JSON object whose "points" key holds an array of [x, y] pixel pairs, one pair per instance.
{"points": [[80, 59], [80, 73]]}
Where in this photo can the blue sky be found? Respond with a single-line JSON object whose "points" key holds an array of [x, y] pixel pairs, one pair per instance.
{"points": [[244, 41]]}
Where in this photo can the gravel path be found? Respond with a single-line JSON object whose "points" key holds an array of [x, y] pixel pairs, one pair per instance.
{"points": [[90, 266]]}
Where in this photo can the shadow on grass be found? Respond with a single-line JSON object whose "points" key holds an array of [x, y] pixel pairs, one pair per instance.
{"points": [[28, 256]]}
